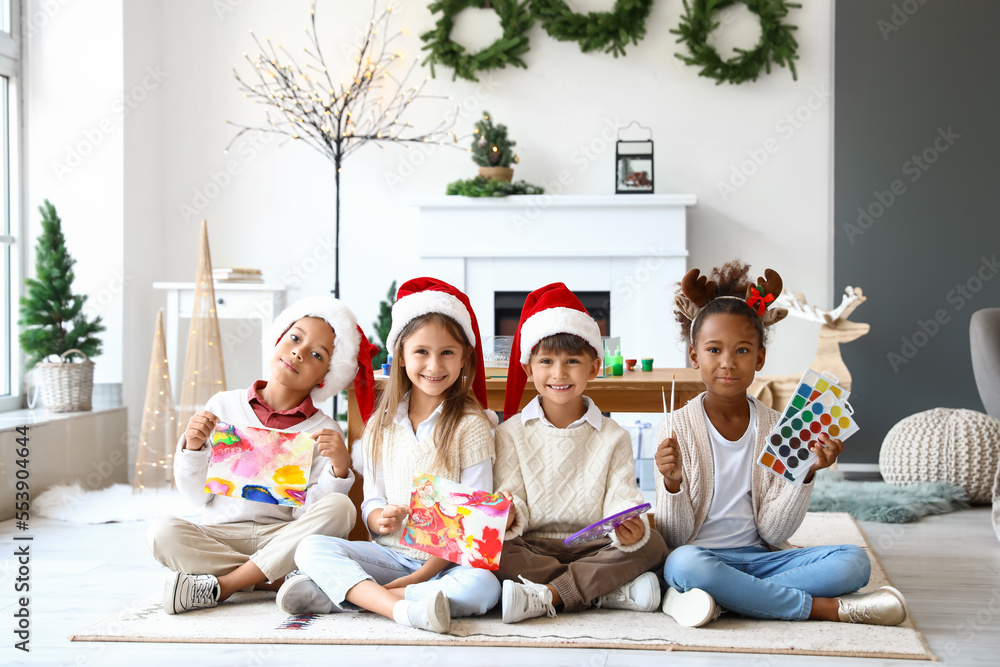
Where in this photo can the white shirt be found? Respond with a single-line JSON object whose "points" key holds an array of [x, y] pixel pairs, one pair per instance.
{"points": [[730, 522], [592, 416], [478, 476]]}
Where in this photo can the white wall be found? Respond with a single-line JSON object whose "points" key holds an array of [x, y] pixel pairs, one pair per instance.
{"points": [[274, 207], [278, 209]]}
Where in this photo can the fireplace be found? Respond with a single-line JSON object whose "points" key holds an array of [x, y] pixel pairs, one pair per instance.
{"points": [[507, 310], [629, 250]]}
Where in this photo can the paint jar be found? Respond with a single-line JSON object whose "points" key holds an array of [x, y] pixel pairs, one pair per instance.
{"points": [[385, 369], [630, 364], [647, 364]]}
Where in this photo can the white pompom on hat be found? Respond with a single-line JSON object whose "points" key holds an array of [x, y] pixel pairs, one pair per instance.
{"points": [[346, 345]]}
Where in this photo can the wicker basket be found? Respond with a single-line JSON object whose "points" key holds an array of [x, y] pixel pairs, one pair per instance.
{"points": [[66, 387]]}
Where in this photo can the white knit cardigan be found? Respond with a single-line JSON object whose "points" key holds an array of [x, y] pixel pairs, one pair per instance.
{"points": [[778, 505]]}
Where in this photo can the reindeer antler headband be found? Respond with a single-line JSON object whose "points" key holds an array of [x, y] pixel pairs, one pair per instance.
{"points": [[697, 291]]}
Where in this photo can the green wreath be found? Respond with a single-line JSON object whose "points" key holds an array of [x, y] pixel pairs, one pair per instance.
{"points": [[595, 31], [515, 19], [777, 45]]}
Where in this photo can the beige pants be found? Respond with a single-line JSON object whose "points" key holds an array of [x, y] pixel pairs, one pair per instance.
{"points": [[219, 549]]}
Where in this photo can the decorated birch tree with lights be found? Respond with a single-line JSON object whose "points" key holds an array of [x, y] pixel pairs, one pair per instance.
{"points": [[338, 116]]}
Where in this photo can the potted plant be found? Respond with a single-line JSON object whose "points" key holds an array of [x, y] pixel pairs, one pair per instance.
{"points": [[491, 150], [54, 323]]}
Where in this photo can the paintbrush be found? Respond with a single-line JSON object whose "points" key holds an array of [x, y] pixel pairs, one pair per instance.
{"points": [[669, 415]]}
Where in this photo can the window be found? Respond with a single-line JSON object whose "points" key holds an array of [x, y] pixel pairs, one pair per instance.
{"points": [[11, 250]]}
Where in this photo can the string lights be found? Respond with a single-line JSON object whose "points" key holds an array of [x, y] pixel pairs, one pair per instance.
{"points": [[154, 459], [336, 118]]}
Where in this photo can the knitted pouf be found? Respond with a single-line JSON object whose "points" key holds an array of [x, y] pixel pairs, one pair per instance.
{"points": [[996, 503], [944, 445]]}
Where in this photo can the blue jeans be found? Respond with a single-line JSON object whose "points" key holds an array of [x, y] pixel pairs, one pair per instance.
{"points": [[759, 583], [338, 565]]}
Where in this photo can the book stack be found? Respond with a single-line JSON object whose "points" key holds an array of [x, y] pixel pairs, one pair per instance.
{"points": [[237, 275]]}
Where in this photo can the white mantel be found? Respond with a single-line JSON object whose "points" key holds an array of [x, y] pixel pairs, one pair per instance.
{"points": [[632, 246]]}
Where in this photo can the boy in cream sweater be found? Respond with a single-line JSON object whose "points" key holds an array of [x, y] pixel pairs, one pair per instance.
{"points": [[565, 466]]}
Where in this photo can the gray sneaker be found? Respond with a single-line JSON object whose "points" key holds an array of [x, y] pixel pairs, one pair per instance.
{"points": [[432, 613], [184, 592], [301, 595], [640, 594], [692, 608], [884, 606]]}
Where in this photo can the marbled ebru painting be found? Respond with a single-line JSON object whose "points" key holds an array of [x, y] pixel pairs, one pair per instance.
{"points": [[259, 464], [456, 522]]}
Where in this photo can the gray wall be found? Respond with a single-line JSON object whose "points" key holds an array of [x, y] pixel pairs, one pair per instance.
{"points": [[916, 110]]}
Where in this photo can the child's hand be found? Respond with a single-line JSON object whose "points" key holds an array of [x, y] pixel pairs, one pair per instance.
{"points": [[513, 510], [402, 582], [630, 531], [199, 429], [668, 462], [391, 518], [331, 445], [828, 450]]}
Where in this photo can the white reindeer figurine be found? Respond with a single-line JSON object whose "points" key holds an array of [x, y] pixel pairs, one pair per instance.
{"points": [[777, 390]]}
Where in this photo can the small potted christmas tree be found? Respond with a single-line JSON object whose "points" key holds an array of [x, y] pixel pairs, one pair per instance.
{"points": [[54, 323], [491, 150]]}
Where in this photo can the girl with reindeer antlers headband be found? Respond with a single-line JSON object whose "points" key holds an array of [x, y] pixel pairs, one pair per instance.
{"points": [[727, 519]]}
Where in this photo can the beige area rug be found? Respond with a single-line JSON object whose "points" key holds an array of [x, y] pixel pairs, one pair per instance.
{"points": [[252, 618]]}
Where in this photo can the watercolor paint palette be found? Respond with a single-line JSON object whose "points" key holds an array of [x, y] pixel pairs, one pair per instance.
{"points": [[787, 452], [456, 522], [260, 464], [809, 388]]}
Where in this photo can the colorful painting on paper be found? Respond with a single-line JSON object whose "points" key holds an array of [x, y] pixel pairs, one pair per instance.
{"points": [[259, 464], [456, 522]]}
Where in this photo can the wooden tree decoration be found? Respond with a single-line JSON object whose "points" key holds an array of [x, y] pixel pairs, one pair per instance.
{"points": [[155, 458], [204, 374], [333, 117]]}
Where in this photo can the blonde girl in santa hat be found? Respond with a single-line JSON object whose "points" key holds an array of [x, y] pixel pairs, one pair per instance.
{"points": [[425, 422], [243, 543]]}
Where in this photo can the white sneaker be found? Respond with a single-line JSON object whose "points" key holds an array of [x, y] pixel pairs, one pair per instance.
{"points": [[640, 594], [884, 606], [432, 613], [184, 592], [301, 595], [693, 608], [527, 600]]}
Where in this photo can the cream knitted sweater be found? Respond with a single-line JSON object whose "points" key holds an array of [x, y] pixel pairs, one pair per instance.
{"points": [[563, 480], [401, 461], [778, 505]]}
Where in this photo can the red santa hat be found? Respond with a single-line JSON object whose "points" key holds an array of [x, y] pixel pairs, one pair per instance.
{"points": [[429, 295], [352, 353], [547, 311]]}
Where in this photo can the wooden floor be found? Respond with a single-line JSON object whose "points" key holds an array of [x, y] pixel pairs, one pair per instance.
{"points": [[948, 567]]}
